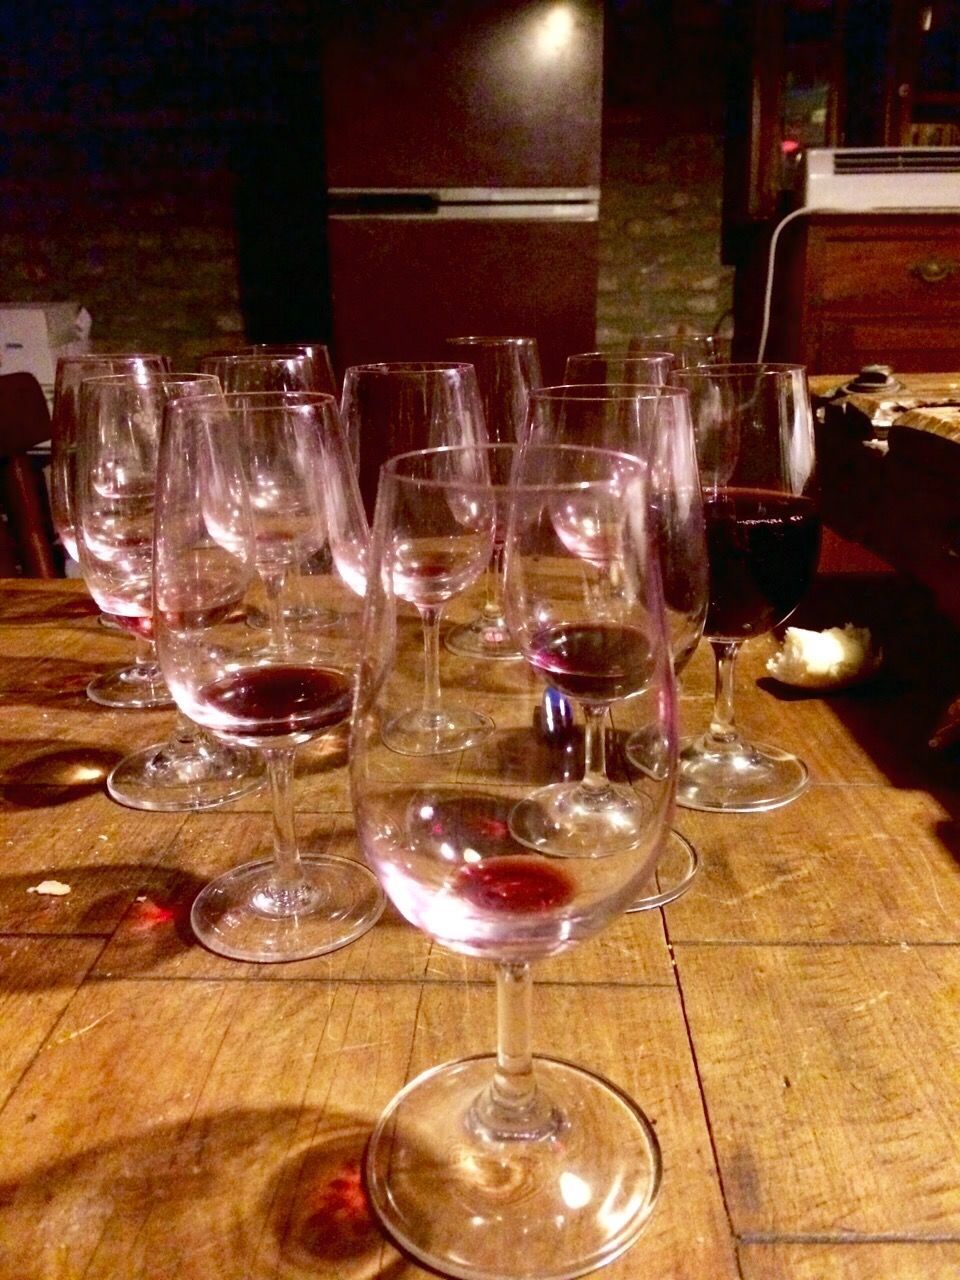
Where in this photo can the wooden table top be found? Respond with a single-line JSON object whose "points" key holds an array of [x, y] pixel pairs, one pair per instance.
{"points": [[791, 1025]]}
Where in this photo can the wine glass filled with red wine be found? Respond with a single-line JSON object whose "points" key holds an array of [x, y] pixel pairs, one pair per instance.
{"points": [[481, 1153], [215, 544], [755, 446], [654, 424]]}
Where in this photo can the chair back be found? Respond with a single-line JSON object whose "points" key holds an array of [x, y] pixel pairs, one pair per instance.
{"points": [[27, 540]]}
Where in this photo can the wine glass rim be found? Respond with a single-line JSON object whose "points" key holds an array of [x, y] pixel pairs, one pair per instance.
{"points": [[601, 391], [409, 366], [615, 353], [279, 398], [490, 340], [147, 377], [78, 357], [746, 368], [241, 357], [393, 466]]}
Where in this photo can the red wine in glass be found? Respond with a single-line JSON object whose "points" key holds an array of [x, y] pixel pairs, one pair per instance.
{"points": [[275, 701], [762, 548], [592, 662]]}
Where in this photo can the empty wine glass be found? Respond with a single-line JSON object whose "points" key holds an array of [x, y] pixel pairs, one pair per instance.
{"points": [[510, 1166], [507, 369], [440, 540], [234, 681], [591, 367], [687, 346], [117, 441], [400, 406], [139, 685], [654, 424], [317, 354], [755, 446]]}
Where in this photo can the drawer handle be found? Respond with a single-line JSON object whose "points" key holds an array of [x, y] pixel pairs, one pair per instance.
{"points": [[932, 271]]}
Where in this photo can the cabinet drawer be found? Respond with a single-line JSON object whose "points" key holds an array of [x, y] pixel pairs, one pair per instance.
{"points": [[908, 343], [906, 271]]}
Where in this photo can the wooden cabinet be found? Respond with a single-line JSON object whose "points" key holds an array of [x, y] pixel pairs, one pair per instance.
{"points": [[857, 289]]}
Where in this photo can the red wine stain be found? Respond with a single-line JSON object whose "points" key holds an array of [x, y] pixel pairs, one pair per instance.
{"points": [[514, 884], [337, 1203]]}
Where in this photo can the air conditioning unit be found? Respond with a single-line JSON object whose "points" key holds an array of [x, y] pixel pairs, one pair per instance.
{"points": [[865, 178]]}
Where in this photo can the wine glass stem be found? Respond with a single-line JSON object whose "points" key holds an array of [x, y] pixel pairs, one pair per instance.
{"points": [[431, 659], [280, 763], [594, 745], [145, 654], [493, 604], [273, 584], [722, 729], [511, 1108]]}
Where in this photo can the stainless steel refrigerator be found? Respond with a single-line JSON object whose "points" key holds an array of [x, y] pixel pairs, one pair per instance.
{"points": [[462, 146]]}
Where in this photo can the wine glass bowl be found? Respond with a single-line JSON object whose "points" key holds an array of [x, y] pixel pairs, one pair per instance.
{"points": [[441, 518], [140, 685], [688, 347], [507, 369], [755, 444], [648, 368], [238, 681], [118, 437], [477, 1154]]}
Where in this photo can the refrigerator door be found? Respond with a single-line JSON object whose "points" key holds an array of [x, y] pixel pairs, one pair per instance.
{"points": [[401, 285], [479, 94]]}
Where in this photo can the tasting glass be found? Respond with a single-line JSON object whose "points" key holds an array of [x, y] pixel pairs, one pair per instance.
{"points": [[688, 347], [507, 370], [650, 369], [399, 406], [139, 685], [755, 447], [439, 541], [507, 1165], [317, 354], [213, 545], [654, 424], [117, 442]]}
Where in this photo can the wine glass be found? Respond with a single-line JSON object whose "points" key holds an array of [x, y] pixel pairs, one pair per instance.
{"points": [[233, 680], [687, 346], [117, 440], [322, 377], [507, 369], [654, 424], [651, 368], [440, 537], [507, 1166], [755, 445], [399, 406], [139, 685]]}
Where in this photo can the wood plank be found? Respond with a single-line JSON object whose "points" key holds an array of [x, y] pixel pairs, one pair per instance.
{"points": [[38, 977], [831, 1084], [853, 1262], [189, 1129], [840, 864]]}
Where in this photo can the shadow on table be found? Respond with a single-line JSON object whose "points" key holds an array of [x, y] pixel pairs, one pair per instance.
{"points": [[60, 683], [149, 905], [183, 1194], [23, 606], [54, 774]]}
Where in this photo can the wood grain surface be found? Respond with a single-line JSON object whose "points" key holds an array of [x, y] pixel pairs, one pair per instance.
{"points": [[790, 1025]]}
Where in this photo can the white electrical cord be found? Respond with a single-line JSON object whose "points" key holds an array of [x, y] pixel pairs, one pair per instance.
{"points": [[771, 266]]}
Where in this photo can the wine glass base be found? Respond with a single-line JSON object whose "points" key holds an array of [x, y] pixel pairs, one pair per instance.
{"points": [[479, 1207], [676, 869], [296, 615], [140, 686], [483, 638], [748, 778], [434, 733], [171, 777], [238, 915], [573, 820]]}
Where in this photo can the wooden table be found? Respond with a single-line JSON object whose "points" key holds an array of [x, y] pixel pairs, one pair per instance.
{"points": [[791, 1026]]}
